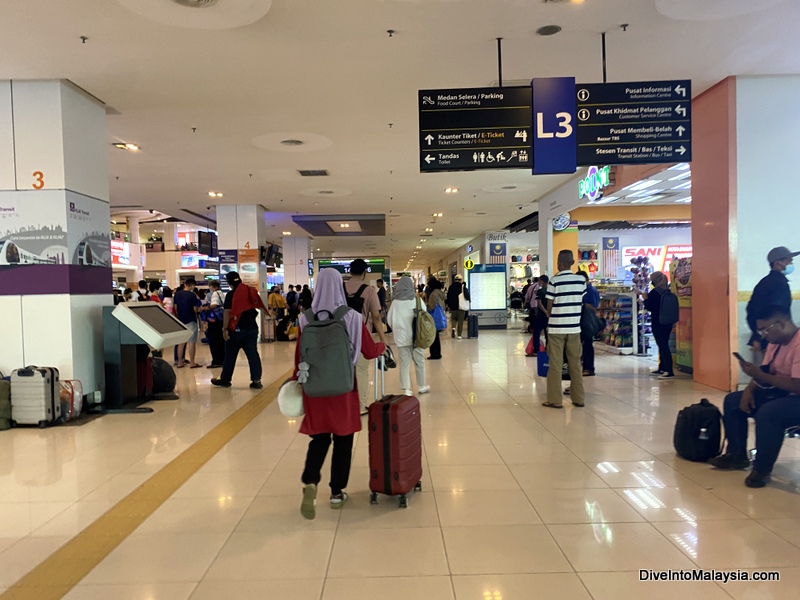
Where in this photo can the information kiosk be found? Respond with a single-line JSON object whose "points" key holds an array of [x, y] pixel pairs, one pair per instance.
{"points": [[130, 331]]}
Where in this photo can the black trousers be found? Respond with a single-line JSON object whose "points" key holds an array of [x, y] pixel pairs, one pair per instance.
{"points": [[661, 333], [246, 340], [216, 343], [588, 353], [436, 347], [340, 462]]}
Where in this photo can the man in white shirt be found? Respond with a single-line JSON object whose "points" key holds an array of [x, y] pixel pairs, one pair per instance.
{"points": [[564, 303]]}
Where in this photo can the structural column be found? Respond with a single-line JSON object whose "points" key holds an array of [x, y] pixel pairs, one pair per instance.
{"points": [[55, 254], [744, 202], [296, 255]]}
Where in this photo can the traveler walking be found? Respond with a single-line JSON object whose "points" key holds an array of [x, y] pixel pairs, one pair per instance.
{"points": [[661, 332], [564, 302], [363, 298], [772, 290], [305, 297], [142, 293], [276, 302], [436, 298], [401, 319], [215, 317], [333, 418], [186, 306], [458, 312], [240, 331]]}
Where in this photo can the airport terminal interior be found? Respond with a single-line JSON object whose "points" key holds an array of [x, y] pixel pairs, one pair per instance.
{"points": [[151, 148]]}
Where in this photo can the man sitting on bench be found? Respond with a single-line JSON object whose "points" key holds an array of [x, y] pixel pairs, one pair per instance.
{"points": [[772, 398]]}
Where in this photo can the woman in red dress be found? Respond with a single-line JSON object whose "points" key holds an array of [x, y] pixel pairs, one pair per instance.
{"points": [[334, 418]]}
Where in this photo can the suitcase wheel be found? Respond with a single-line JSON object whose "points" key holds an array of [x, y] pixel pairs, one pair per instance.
{"points": [[403, 502], [42, 424], [418, 487], [373, 498]]}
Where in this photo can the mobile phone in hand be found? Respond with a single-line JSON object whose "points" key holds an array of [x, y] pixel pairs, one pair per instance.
{"points": [[738, 356]]}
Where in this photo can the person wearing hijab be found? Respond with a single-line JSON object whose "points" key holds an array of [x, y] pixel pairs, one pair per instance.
{"points": [[436, 296], [661, 333], [401, 320], [335, 418]]}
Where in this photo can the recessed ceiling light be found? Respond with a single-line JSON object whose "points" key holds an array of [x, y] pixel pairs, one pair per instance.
{"points": [[428, 229], [124, 146], [215, 194], [196, 3], [438, 214], [287, 233], [292, 142], [548, 30], [344, 225], [451, 191], [419, 247]]}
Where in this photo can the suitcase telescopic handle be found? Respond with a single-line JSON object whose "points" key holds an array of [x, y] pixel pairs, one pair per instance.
{"points": [[380, 375]]}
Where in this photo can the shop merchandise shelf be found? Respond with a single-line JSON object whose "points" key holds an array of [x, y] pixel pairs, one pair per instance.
{"points": [[620, 335]]}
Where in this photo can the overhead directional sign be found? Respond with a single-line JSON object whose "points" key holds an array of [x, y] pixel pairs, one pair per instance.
{"points": [[634, 123], [554, 125], [474, 128]]}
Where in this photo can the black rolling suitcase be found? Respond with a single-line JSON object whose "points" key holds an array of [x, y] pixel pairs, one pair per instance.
{"points": [[472, 326]]}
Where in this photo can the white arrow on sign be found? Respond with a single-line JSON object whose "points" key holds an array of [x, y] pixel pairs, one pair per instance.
{"points": [[680, 129], [679, 89], [429, 158], [429, 139], [680, 110], [681, 150]]}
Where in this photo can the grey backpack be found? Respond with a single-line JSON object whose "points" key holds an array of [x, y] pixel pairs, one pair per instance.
{"points": [[326, 364]]}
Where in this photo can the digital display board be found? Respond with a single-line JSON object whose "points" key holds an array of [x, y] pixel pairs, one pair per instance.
{"points": [[374, 265], [487, 290]]}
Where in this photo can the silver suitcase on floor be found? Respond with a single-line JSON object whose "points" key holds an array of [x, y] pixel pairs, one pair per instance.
{"points": [[35, 396]]}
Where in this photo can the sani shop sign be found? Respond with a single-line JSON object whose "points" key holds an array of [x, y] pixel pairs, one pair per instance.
{"points": [[660, 256]]}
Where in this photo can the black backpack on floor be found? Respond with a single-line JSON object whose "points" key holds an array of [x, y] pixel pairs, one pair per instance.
{"points": [[698, 433]]}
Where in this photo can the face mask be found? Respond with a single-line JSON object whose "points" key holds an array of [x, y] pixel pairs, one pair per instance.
{"points": [[788, 270]]}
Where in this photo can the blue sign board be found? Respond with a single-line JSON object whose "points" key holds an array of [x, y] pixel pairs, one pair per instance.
{"points": [[228, 261], [554, 137], [634, 123]]}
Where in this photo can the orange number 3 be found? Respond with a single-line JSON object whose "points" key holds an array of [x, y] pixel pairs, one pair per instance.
{"points": [[39, 177]]}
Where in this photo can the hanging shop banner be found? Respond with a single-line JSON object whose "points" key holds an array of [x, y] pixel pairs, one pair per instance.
{"points": [[554, 140], [248, 267], [660, 257], [634, 123], [497, 254], [120, 253], [472, 129]]}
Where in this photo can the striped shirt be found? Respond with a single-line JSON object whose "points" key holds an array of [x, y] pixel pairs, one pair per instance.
{"points": [[565, 292]]}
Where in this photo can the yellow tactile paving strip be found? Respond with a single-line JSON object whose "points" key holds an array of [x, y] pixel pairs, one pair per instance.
{"points": [[65, 568]]}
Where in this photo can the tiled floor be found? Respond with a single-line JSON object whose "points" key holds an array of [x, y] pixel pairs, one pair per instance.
{"points": [[519, 502]]}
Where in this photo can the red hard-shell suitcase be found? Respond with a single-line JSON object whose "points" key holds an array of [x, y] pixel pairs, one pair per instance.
{"points": [[395, 446]]}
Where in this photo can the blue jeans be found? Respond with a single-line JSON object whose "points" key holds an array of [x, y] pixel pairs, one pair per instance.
{"points": [[246, 340], [772, 419]]}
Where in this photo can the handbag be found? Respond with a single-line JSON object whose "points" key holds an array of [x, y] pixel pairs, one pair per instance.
{"points": [[463, 300], [591, 324], [764, 393], [290, 399], [439, 318]]}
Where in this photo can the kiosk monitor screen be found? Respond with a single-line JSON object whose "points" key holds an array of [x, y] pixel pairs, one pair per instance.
{"points": [[152, 324], [158, 318]]}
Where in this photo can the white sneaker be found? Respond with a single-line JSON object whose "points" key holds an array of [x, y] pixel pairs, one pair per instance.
{"points": [[408, 392], [459, 337], [424, 389], [308, 508]]}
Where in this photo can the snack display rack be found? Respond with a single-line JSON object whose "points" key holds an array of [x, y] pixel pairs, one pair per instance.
{"points": [[619, 307]]}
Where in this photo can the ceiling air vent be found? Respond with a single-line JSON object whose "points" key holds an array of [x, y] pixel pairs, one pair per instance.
{"points": [[196, 3], [313, 172]]}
